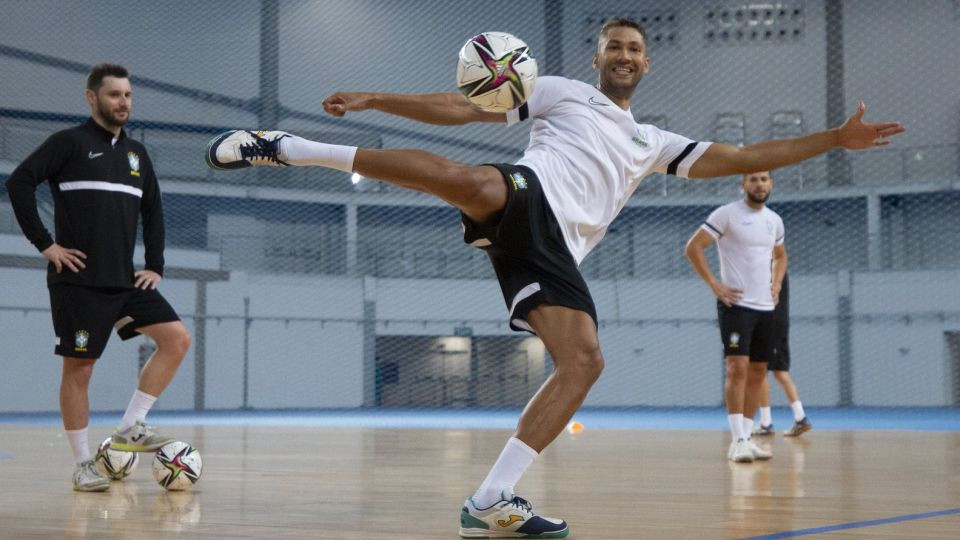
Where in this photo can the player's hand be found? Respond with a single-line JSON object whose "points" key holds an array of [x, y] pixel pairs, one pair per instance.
{"points": [[341, 103], [146, 279], [61, 256], [727, 295], [775, 293], [854, 134]]}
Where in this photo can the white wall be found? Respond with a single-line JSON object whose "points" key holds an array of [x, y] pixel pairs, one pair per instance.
{"points": [[659, 338]]}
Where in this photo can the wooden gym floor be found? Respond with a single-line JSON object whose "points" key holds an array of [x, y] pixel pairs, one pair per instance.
{"points": [[376, 483]]}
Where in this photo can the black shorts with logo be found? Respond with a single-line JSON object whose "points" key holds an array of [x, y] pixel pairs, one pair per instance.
{"points": [[747, 332], [84, 316], [528, 252]]}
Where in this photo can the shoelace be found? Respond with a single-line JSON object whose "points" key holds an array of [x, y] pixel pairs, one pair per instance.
{"points": [[261, 148], [521, 503]]}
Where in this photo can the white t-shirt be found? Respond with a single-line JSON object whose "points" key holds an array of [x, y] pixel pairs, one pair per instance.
{"points": [[745, 242], [590, 156]]}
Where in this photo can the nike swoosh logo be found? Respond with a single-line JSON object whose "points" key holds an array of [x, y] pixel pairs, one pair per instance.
{"points": [[593, 101], [91, 155]]}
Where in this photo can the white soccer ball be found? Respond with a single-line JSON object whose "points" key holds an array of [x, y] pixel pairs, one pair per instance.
{"points": [[496, 72], [115, 464], [177, 466]]}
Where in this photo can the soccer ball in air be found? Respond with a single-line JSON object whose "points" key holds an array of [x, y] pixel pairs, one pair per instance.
{"points": [[115, 464], [177, 466], [496, 72]]}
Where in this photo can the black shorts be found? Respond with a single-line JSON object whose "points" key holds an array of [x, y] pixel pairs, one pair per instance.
{"points": [[528, 252], [781, 321], [84, 316], [746, 332], [780, 361]]}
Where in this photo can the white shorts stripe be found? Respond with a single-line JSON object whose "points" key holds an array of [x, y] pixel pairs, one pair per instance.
{"points": [[101, 186], [523, 295]]}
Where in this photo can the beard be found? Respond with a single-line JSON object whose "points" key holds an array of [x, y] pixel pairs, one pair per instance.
{"points": [[110, 117], [758, 200]]}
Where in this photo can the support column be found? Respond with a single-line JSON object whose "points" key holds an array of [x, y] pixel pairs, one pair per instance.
{"points": [[845, 338], [874, 233], [268, 110], [838, 168]]}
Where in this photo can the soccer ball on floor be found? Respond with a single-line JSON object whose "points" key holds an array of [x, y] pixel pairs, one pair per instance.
{"points": [[496, 72], [115, 464], [177, 466]]}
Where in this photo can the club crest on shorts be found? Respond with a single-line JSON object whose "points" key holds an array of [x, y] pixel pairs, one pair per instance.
{"points": [[134, 160], [734, 340], [519, 182], [80, 341]]}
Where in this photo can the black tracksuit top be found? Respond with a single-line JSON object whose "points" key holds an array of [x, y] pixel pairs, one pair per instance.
{"points": [[99, 191]]}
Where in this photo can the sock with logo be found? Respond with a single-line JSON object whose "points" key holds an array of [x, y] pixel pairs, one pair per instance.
{"points": [[798, 413], [79, 444], [736, 426], [301, 152], [506, 472], [765, 417], [139, 406]]}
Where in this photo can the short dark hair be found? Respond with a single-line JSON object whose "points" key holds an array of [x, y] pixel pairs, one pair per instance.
{"points": [[617, 23], [99, 71]]}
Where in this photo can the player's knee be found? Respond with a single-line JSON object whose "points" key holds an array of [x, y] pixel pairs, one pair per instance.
{"points": [[79, 375], [176, 344], [589, 362], [181, 343]]}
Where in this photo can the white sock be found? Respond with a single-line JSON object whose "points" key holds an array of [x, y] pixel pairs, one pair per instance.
{"points": [[747, 427], [765, 418], [79, 445], [736, 426], [506, 472], [300, 151], [798, 413], [138, 408]]}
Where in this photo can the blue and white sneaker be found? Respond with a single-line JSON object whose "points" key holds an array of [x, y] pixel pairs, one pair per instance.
{"points": [[237, 149], [508, 518]]}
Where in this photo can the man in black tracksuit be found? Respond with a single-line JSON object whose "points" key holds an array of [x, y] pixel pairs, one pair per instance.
{"points": [[102, 182]]}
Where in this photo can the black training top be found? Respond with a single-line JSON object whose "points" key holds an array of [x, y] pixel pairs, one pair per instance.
{"points": [[99, 190]]}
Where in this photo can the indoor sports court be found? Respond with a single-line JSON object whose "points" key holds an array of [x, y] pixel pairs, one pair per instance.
{"points": [[352, 373]]}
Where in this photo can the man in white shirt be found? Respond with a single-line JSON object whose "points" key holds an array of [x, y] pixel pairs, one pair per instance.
{"points": [[538, 218], [753, 260]]}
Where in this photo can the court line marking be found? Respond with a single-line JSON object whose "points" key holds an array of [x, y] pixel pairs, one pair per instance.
{"points": [[853, 525]]}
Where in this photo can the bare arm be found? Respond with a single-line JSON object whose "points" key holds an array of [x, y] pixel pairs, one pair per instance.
{"points": [[698, 259], [445, 109], [854, 134], [779, 270]]}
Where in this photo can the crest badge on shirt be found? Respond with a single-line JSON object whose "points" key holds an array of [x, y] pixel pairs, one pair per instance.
{"points": [[639, 139], [80, 341], [519, 182], [134, 161]]}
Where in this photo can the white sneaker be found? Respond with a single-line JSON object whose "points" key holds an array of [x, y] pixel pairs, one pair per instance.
{"points": [[759, 453], [138, 438], [86, 477], [740, 452], [237, 149], [512, 518]]}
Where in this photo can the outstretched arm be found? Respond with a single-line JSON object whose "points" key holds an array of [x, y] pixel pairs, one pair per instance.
{"points": [[445, 109], [854, 134]]}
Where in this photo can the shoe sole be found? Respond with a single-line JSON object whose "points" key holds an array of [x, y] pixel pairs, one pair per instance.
{"points": [[483, 533], [799, 431], [92, 489], [136, 447], [210, 152]]}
